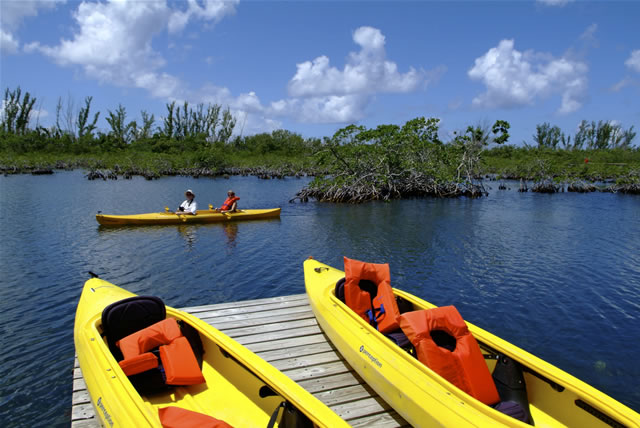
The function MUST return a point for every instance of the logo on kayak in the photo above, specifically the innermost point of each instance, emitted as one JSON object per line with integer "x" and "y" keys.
{"x": 373, "y": 359}
{"x": 107, "y": 416}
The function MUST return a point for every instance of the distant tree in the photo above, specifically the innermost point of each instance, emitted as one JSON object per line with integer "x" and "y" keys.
{"x": 68, "y": 116}
{"x": 548, "y": 136}
{"x": 168, "y": 128}
{"x": 482, "y": 137}
{"x": 84, "y": 128}
{"x": 501, "y": 127}
{"x": 226, "y": 127}
{"x": 602, "y": 135}
{"x": 17, "y": 111}
{"x": 121, "y": 131}
{"x": 147, "y": 124}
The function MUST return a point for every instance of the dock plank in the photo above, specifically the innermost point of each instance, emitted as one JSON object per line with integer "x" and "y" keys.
{"x": 283, "y": 331}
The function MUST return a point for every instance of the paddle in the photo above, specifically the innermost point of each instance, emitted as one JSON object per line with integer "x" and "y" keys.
{"x": 227, "y": 215}
{"x": 183, "y": 218}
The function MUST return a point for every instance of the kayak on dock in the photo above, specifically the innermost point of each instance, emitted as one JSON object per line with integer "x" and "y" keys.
{"x": 149, "y": 365}
{"x": 435, "y": 369}
{"x": 202, "y": 216}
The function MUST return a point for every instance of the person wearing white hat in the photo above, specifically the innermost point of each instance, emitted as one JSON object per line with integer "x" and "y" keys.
{"x": 189, "y": 206}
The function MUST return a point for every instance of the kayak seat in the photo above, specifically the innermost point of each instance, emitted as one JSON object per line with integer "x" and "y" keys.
{"x": 124, "y": 317}
{"x": 444, "y": 344}
{"x": 515, "y": 410}
{"x": 155, "y": 352}
{"x": 509, "y": 379}
{"x": 399, "y": 338}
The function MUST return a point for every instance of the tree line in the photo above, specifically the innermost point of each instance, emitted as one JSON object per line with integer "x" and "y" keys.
{"x": 387, "y": 161}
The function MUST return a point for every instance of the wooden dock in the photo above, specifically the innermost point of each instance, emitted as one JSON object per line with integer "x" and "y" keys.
{"x": 284, "y": 332}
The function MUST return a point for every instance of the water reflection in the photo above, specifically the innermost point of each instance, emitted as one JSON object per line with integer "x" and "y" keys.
{"x": 231, "y": 231}
{"x": 188, "y": 232}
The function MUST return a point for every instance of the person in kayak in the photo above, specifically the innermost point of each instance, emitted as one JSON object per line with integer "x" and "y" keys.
{"x": 230, "y": 204}
{"x": 189, "y": 206}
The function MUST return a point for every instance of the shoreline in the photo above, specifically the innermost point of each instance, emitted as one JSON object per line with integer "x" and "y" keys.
{"x": 547, "y": 185}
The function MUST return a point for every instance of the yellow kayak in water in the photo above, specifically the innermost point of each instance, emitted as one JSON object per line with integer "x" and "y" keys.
{"x": 202, "y": 216}
{"x": 225, "y": 381}
{"x": 542, "y": 393}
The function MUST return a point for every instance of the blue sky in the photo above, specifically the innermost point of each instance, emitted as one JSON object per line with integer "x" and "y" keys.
{"x": 313, "y": 67}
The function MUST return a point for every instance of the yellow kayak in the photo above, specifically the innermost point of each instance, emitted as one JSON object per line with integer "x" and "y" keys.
{"x": 426, "y": 399}
{"x": 202, "y": 216}
{"x": 237, "y": 386}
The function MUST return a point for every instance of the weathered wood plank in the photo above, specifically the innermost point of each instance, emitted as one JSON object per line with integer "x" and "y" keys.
{"x": 323, "y": 370}
{"x": 213, "y": 317}
{"x": 81, "y": 397}
{"x": 247, "y": 303}
{"x": 385, "y": 419}
{"x": 343, "y": 380}
{"x": 265, "y": 309}
{"x": 278, "y": 335}
{"x": 277, "y": 344}
{"x": 364, "y": 407}
{"x": 85, "y": 423}
{"x": 274, "y": 327}
{"x": 306, "y": 360}
{"x": 297, "y": 351}
{"x": 79, "y": 385}
{"x": 345, "y": 395}
{"x": 225, "y": 323}
{"x": 82, "y": 411}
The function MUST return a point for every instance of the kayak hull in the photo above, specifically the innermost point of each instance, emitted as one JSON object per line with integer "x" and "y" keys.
{"x": 202, "y": 216}
{"x": 235, "y": 377}
{"x": 424, "y": 398}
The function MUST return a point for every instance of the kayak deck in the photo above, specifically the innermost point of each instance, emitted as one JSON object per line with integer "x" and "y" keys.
{"x": 290, "y": 340}
{"x": 202, "y": 216}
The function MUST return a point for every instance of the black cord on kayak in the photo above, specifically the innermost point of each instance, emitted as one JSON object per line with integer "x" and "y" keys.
{"x": 93, "y": 275}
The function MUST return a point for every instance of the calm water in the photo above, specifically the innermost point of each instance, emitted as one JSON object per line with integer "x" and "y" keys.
{"x": 558, "y": 275}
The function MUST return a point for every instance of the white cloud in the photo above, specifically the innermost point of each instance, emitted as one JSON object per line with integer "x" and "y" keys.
{"x": 515, "y": 78}
{"x": 366, "y": 71}
{"x": 113, "y": 42}
{"x": 12, "y": 13}
{"x": 322, "y": 93}
{"x": 211, "y": 10}
{"x": 8, "y": 44}
{"x": 633, "y": 62}
{"x": 590, "y": 32}
{"x": 323, "y": 109}
{"x": 554, "y": 2}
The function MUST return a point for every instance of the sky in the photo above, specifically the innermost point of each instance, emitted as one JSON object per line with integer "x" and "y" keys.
{"x": 314, "y": 67}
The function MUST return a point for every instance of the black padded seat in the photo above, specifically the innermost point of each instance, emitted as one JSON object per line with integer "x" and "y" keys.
{"x": 124, "y": 317}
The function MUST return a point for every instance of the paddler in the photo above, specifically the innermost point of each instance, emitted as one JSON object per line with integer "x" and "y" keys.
{"x": 230, "y": 204}
{"x": 189, "y": 206}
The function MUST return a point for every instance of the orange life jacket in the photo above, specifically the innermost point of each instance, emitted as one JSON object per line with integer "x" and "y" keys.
{"x": 228, "y": 203}
{"x": 178, "y": 360}
{"x": 464, "y": 366}
{"x": 381, "y": 311}
{"x": 177, "y": 417}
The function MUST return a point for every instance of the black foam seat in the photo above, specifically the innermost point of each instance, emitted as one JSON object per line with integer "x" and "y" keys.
{"x": 127, "y": 316}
